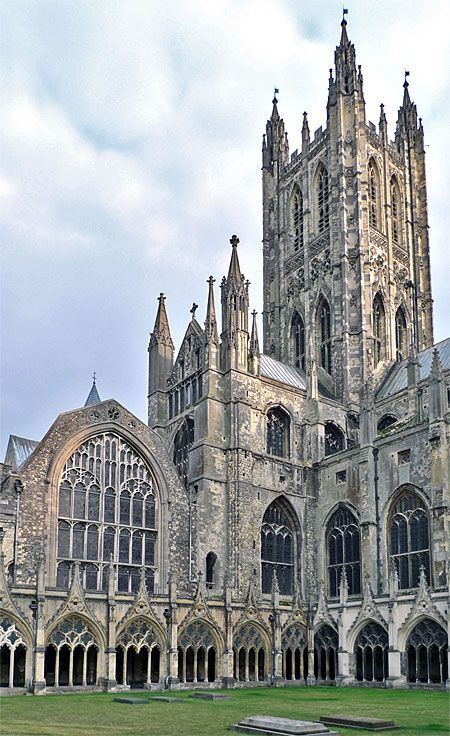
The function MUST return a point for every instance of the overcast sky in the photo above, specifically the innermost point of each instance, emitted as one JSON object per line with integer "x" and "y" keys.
{"x": 131, "y": 151}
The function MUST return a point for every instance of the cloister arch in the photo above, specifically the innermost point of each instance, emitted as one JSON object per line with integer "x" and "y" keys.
{"x": 199, "y": 646}
{"x": 73, "y": 653}
{"x": 140, "y": 645}
{"x": 15, "y": 651}
{"x": 294, "y": 646}
{"x": 251, "y": 652}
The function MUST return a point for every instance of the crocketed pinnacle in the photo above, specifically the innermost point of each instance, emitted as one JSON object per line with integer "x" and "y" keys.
{"x": 254, "y": 342}
{"x": 161, "y": 330}
{"x": 211, "y": 332}
{"x": 234, "y": 272}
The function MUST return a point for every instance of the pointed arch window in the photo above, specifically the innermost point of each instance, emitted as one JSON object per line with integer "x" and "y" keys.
{"x": 334, "y": 439}
{"x": 277, "y": 550}
{"x": 297, "y": 218}
{"x": 409, "y": 539}
{"x": 298, "y": 341}
{"x": 344, "y": 552}
{"x": 395, "y": 212}
{"x": 374, "y": 194}
{"x": 379, "y": 329}
{"x": 106, "y": 499}
{"x": 323, "y": 207}
{"x": 324, "y": 320}
{"x": 278, "y": 428}
{"x": 400, "y": 334}
{"x": 184, "y": 439}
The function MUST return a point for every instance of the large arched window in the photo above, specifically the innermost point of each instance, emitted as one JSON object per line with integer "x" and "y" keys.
{"x": 106, "y": 509}
{"x": 334, "y": 439}
{"x": 324, "y": 327}
{"x": 278, "y": 426}
{"x": 297, "y": 218}
{"x": 374, "y": 194}
{"x": 298, "y": 340}
{"x": 343, "y": 546}
{"x": 395, "y": 212}
{"x": 277, "y": 550}
{"x": 379, "y": 329}
{"x": 183, "y": 441}
{"x": 323, "y": 207}
{"x": 409, "y": 539}
{"x": 400, "y": 334}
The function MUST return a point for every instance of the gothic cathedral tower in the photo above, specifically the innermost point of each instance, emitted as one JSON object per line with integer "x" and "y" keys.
{"x": 345, "y": 239}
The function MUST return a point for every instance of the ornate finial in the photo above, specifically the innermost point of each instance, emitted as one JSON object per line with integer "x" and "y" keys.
{"x": 211, "y": 280}
{"x": 344, "y": 13}
{"x": 162, "y": 297}
{"x": 405, "y": 83}
{"x": 193, "y": 309}
{"x": 254, "y": 313}
{"x": 276, "y": 92}
{"x": 94, "y": 376}
{"x": 234, "y": 240}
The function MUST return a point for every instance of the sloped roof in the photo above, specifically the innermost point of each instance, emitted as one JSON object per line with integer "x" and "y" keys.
{"x": 397, "y": 378}
{"x": 93, "y": 397}
{"x": 18, "y": 450}
{"x": 277, "y": 371}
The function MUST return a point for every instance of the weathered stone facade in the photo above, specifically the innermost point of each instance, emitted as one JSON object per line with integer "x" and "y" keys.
{"x": 283, "y": 518}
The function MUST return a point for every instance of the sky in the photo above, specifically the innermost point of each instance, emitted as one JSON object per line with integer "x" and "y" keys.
{"x": 131, "y": 152}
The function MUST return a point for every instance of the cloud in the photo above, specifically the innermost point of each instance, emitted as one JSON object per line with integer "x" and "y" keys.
{"x": 131, "y": 139}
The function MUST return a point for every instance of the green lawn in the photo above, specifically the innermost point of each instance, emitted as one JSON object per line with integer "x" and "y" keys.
{"x": 419, "y": 713}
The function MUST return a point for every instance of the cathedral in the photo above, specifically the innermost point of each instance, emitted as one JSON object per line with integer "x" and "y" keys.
{"x": 283, "y": 516}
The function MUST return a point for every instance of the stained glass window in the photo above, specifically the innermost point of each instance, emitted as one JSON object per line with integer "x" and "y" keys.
{"x": 343, "y": 546}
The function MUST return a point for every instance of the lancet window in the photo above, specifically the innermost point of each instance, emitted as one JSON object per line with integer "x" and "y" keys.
{"x": 297, "y": 218}
{"x": 323, "y": 207}
{"x": 107, "y": 508}
{"x": 249, "y": 654}
{"x": 395, "y": 212}
{"x": 426, "y": 649}
{"x": 197, "y": 654}
{"x": 298, "y": 341}
{"x": 344, "y": 553}
{"x": 409, "y": 539}
{"x": 71, "y": 654}
{"x": 277, "y": 550}
{"x": 324, "y": 325}
{"x": 278, "y": 428}
{"x": 374, "y": 194}
{"x": 13, "y": 652}
{"x": 183, "y": 442}
{"x": 379, "y": 329}
{"x": 371, "y": 652}
{"x": 400, "y": 334}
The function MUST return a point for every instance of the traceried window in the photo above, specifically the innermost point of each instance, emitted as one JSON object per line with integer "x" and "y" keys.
{"x": 277, "y": 550}
{"x": 184, "y": 439}
{"x": 426, "y": 650}
{"x": 107, "y": 508}
{"x": 298, "y": 340}
{"x": 371, "y": 653}
{"x": 71, "y": 654}
{"x": 400, "y": 334}
{"x": 334, "y": 439}
{"x": 278, "y": 426}
{"x": 297, "y": 219}
{"x": 374, "y": 194}
{"x": 324, "y": 320}
{"x": 13, "y": 652}
{"x": 343, "y": 546}
{"x": 395, "y": 212}
{"x": 323, "y": 207}
{"x": 409, "y": 539}
{"x": 379, "y": 329}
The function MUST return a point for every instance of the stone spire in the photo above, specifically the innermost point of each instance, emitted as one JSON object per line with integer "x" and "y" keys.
{"x": 160, "y": 364}
{"x": 305, "y": 133}
{"x": 275, "y": 142}
{"x": 93, "y": 397}
{"x": 211, "y": 334}
{"x": 382, "y": 125}
{"x": 254, "y": 353}
{"x": 234, "y": 337}
{"x": 345, "y": 63}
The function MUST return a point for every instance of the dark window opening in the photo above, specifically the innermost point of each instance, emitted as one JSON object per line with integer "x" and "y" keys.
{"x": 344, "y": 553}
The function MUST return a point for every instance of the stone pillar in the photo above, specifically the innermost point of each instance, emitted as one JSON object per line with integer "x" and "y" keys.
{"x": 395, "y": 677}
{"x": 228, "y": 654}
{"x": 39, "y": 633}
{"x": 274, "y": 618}
{"x": 172, "y": 680}
{"x": 310, "y": 679}
{"x": 343, "y": 677}
{"x": 109, "y": 680}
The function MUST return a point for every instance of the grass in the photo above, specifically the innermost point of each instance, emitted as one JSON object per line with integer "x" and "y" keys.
{"x": 419, "y": 713}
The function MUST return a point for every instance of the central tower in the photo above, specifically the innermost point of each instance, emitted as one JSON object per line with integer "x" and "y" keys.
{"x": 345, "y": 239}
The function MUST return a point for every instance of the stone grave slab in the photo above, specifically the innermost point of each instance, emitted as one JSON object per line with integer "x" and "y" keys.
{"x": 132, "y": 701}
{"x": 165, "y": 699}
{"x": 370, "y": 724}
{"x": 271, "y": 726}
{"x": 209, "y": 696}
